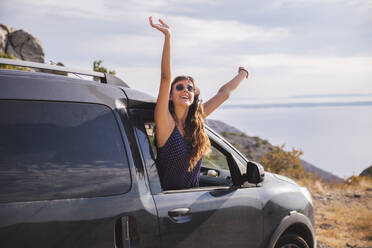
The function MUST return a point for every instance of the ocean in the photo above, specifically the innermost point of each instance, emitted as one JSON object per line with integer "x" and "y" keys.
{"x": 334, "y": 131}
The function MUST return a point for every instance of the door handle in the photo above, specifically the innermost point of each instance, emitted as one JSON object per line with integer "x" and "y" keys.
{"x": 180, "y": 215}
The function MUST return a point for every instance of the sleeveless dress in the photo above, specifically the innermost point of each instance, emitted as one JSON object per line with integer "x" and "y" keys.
{"x": 173, "y": 163}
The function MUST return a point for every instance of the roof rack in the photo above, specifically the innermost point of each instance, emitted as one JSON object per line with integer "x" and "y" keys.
{"x": 103, "y": 77}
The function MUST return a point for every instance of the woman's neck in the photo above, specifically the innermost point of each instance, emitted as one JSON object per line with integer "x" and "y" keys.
{"x": 180, "y": 115}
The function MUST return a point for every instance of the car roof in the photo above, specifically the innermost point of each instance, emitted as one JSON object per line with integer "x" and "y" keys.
{"x": 135, "y": 97}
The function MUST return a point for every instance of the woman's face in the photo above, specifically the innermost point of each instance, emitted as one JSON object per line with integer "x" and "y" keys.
{"x": 183, "y": 93}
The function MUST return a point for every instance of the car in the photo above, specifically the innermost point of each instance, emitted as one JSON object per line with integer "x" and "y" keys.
{"x": 78, "y": 169}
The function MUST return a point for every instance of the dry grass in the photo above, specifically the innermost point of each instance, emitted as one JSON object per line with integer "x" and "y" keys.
{"x": 338, "y": 224}
{"x": 343, "y": 212}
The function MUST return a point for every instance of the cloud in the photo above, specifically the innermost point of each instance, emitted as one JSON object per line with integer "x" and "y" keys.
{"x": 195, "y": 30}
{"x": 360, "y": 6}
{"x": 281, "y": 73}
{"x": 271, "y": 75}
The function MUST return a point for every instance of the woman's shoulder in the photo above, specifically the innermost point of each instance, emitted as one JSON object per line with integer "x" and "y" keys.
{"x": 164, "y": 129}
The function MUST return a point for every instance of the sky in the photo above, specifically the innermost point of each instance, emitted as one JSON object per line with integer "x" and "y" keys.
{"x": 295, "y": 51}
{"x": 290, "y": 47}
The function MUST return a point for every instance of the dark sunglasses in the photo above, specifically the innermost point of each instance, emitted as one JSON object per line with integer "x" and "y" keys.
{"x": 180, "y": 87}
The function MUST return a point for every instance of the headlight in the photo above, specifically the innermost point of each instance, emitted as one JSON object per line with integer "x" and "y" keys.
{"x": 306, "y": 194}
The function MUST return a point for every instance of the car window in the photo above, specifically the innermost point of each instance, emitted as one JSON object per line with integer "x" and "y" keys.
{"x": 215, "y": 160}
{"x": 55, "y": 150}
{"x": 214, "y": 170}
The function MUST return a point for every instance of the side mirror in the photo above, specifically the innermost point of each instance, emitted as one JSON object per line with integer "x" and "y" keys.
{"x": 255, "y": 172}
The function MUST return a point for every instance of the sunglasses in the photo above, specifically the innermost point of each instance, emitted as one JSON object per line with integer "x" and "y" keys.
{"x": 180, "y": 87}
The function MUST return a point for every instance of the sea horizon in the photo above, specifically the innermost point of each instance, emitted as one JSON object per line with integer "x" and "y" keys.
{"x": 334, "y": 130}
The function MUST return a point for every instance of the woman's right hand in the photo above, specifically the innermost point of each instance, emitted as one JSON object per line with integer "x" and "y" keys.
{"x": 162, "y": 27}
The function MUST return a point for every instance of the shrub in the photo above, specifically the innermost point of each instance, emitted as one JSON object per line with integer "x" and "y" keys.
{"x": 225, "y": 134}
{"x": 10, "y": 67}
{"x": 282, "y": 162}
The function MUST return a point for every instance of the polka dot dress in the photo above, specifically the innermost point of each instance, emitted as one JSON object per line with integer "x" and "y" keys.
{"x": 173, "y": 164}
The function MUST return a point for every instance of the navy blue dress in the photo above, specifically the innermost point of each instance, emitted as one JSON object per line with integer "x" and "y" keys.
{"x": 173, "y": 163}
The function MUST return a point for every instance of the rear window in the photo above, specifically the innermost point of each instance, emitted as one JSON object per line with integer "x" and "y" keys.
{"x": 54, "y": 150}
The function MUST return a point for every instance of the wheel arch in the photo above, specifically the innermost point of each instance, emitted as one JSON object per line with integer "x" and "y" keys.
{"x": 296, "y": 223}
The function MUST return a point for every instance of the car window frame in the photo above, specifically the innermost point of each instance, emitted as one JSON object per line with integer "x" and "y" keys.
{"x": 142, "y": 116}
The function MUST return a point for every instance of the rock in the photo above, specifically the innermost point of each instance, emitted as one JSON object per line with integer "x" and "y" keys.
{"x": 20, "y": 44}
{"x": 357, "y": 195}
{"x": 26, "y": 46}
{"x": 4, "y": 31}
{"x": 320, "y": 245}
{"x": 349, "y": 245}
{"x": 326, "y": 226}
{"x": 367, "y": 172}
{"x": 10, "y": 50}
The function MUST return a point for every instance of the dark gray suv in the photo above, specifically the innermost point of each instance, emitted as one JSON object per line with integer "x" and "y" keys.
{"x": 77, "y": 169}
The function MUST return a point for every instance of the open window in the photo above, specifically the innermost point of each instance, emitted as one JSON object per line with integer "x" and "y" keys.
{"x": 220, "y": 168}
{"x": 215, "y": 167}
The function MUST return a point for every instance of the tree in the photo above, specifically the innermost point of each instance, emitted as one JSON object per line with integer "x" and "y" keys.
{"x": 98, "y": 67}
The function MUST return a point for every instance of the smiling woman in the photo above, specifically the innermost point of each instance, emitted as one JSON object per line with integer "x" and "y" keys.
{"x": 179, "y": 116}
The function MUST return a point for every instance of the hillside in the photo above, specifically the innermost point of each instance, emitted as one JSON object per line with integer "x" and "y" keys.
{"x": 254, "y": 147}
{"x": 367, "y": 172}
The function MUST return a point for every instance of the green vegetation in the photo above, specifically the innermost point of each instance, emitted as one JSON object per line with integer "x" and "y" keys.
{"x": 225, "y": 134}
{"x": 98, "y": 67}
{"x": 243, "y": 135}
{"x": 10, "y": 67}
{"x": 250, "y": 153}
{"x": 258, "y": 141}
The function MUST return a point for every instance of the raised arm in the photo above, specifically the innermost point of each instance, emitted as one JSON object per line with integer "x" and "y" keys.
{"x": 224, "y": 92}
{"x": 163, "y": 118}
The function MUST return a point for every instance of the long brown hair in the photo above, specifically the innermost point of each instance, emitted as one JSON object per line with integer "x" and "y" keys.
{"x": 195, "y": 134}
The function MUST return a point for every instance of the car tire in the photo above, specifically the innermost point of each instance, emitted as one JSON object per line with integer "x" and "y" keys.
{"x": 291, "y": 240}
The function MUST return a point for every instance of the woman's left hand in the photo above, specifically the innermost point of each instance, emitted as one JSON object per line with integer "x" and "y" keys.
{"x": 243, "y": 70}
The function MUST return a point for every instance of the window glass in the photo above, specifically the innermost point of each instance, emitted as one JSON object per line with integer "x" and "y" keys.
{"x": 215, "y": 169}
{"x": 53, "y": 150}
{"x": 215, "y": 160}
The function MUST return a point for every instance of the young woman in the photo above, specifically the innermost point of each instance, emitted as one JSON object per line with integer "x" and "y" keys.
{"x": 179, "y": 117}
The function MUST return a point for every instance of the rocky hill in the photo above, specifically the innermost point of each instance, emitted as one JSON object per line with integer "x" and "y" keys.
{"x": 254, "y": 147}
{"x": 367, "y": 172}
{"x": 20, "y": 44}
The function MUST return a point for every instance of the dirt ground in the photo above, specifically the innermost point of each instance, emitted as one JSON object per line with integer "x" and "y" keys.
{"x": 343, "y": 215}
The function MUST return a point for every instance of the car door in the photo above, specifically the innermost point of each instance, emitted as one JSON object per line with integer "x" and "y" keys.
{"x": 68, "y": 174}
{"x": 221, "y": 215}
